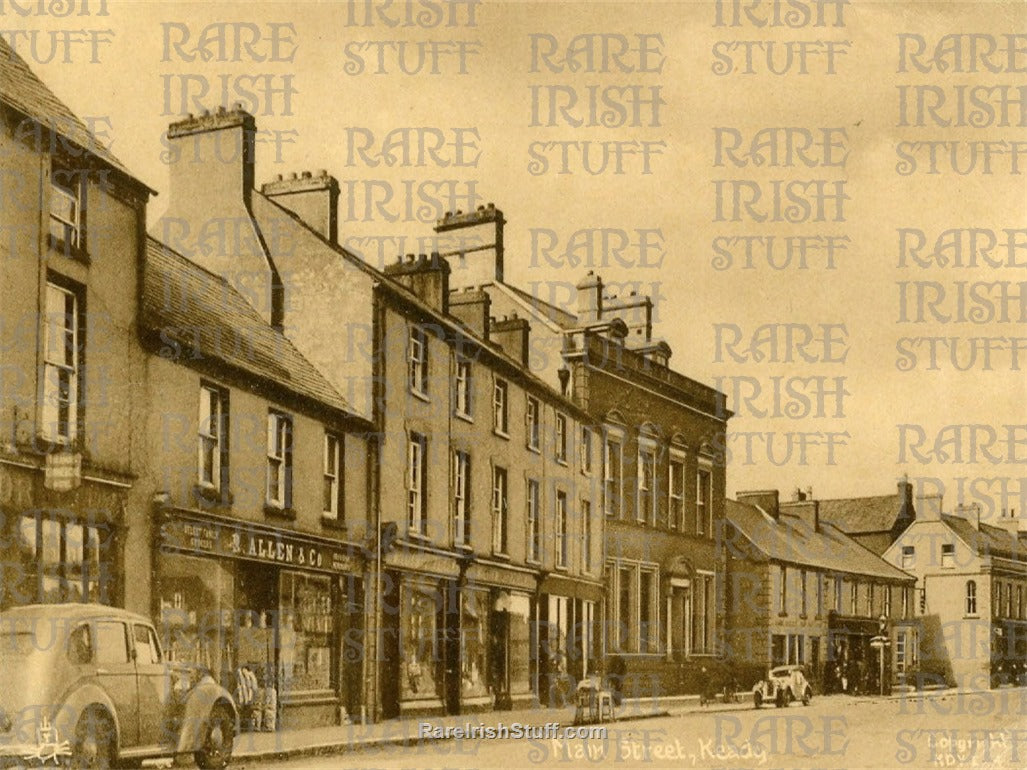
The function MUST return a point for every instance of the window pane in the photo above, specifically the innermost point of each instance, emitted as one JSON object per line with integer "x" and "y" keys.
{"x": 111, "y": 645}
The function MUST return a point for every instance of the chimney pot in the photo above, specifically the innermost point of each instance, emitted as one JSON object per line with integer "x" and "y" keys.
{"x": 292, "y": 175}
{"x": 206, "y": 113}
{"x": 492, "y": 205}
{"x": 306, "y": 175}
{"x": 410, "y": 259}
{"x": 237, "y": 107}
{"x": 322, "y": 172}
{"x": 481, "y": 208}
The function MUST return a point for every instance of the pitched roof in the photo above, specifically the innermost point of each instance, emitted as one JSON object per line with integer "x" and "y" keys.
{"x": 862, "y": 514}
{"x": 989, "y": 539}
{"x": 205, "y": 317}
{"x": 22, "y": 89}
{"x": 792, "y": 539}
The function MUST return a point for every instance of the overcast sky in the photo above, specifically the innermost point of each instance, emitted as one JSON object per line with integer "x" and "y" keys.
{"x": 491, "y": 85}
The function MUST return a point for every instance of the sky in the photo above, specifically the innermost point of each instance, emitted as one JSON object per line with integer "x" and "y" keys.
{"x": 693, "y": 122}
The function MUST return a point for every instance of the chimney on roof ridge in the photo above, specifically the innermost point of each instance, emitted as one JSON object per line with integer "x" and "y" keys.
{"x": 314, "y": 199}
{"x": 512, "y": 334}
{"x": 474, "y": 243}
{"x": 929, "y": 507}
{"x": 767, "y": 499}
{"x": 427, "y": 277}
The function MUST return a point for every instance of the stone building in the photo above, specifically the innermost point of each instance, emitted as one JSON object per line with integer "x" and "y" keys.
{"x": 801, "y": 591}
{"x": 972, "y": 577}
{"x": 71, "y": 396}
{"x": 259, "y": 474}
{"x": 485, "y": 553}
{"x": 658, "y": 449}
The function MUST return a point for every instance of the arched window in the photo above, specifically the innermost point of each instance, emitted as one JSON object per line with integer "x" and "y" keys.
{"x": 971, "y": 597}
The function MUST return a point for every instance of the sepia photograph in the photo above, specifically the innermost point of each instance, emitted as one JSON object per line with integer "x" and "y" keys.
{"x": 508, "y": 384}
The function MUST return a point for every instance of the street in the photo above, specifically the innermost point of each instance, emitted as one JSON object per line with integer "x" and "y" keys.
{"x": 972, "y": 730}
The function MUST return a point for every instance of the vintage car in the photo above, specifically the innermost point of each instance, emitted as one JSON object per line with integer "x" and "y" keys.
{"x": 87, "y": 686}
{"x": 783, "y": 685}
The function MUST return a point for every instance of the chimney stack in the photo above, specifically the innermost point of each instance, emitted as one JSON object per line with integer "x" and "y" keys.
{"x": 512, "y": 335}
{"x": 211, "y": 156}
{"x": 590, "y": 298}
{"x": 906, "y": 498}
{"x": 805, "y": 508}
{"x": 767, "y": 499}
{"x": 314, "y": 198}
{"x": 471, "y": 308}
{"x": 928, "y": 507}
{"x": 426, "y": 276}
{"x": 473, "y": 241}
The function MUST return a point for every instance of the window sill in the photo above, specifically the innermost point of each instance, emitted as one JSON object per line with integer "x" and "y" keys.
{"x": 332, "y": 521}
{"x": 560, "y": 461}
{"x": 67, "y": 250}
{"x": 419, "y": 395}
{"x": 416, "y": 534}
{"x": 464, "y": 417}
{"x": 212, "y": 497}
{"x": 561, "y": 568}
{"x": 533, "y": 449}
{"x": 463, "y": 547}
{"x": 277, "y": 511}
{"x": 500, "y": 555}
{"x": 782, "y": 614}
{"x": 501, "y": 433}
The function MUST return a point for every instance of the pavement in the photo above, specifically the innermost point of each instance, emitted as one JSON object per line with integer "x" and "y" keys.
{"x": 253, "y": 747}
{"x": 312, "y": 741}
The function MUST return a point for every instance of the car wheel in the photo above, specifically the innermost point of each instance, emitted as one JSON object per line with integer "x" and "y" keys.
{"x": 789, "y": 697}
{"x": 93, "y": 747}
{"x": 807, "y": 696}
{"x": 218, "y": 737}
{"x": 757, "y": 699}
{"x": 779, "y": 699}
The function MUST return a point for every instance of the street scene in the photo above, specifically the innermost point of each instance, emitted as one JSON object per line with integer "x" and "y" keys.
{"x": 423, "y": 383}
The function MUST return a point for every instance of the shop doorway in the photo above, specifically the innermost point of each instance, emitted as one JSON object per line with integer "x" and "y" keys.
{"x": 448, "y": 624}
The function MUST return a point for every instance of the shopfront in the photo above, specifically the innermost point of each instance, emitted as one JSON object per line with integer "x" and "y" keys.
{"x": 456, "y": 644}
{"x": 60, "y": 544}
{"x": 566, "y": 629}
{"x": 286, "y": 607}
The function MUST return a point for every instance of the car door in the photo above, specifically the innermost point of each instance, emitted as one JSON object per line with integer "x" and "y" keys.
{"x": 116, "y": 674}
{"x": 154, "y": 686}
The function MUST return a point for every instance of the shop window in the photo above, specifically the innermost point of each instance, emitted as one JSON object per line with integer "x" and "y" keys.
{"x": 63, "y": 561}
{"x": 332, "y": 488}
{"x": 612, "y": 474}
{"x": 213, "y": 437}
{"x": 900, "y": 652}
{"x": 67, "y": 210}
{"x": 676, "y": 494}
{"x": 305, "y": 633}
{"x": 561, "y": 438}
{"x": 501, "y": 407}
{"x": 532, "y": 427}
{"x": 462, "y": 391}
{"x": 417, "y": 361}
{"x": 279, "y": 460}
{"x": 703, "y": 502}
{"x": 416, "y": 482}
{"x": 419, "y": 640}
{"x": 474, "y": 629}
{"x": 971, "y": 597}
{"x": 500, "y": 491}
{"x": 561, "y": 529}
{"x": 63, "y": 360}
{"x": 461, "y": 498}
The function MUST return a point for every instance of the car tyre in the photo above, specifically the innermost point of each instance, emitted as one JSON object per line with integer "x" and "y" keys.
{"x": 789, "y": 697}
{"x": 93, "y": 747}
{"x": 779, "y": 699}
{"x": 757, "y": 699}
{"x": 807, "y": 696}
{"x": 218, "y": 737}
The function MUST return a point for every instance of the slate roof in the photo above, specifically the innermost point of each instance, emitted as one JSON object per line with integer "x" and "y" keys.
{"x": 205, "y": 317}
{"x": 21, "y": 88}
{"x": 792, "y": 539}
{"x": 862, "y": 514}
{"x": 988, "y": 540}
